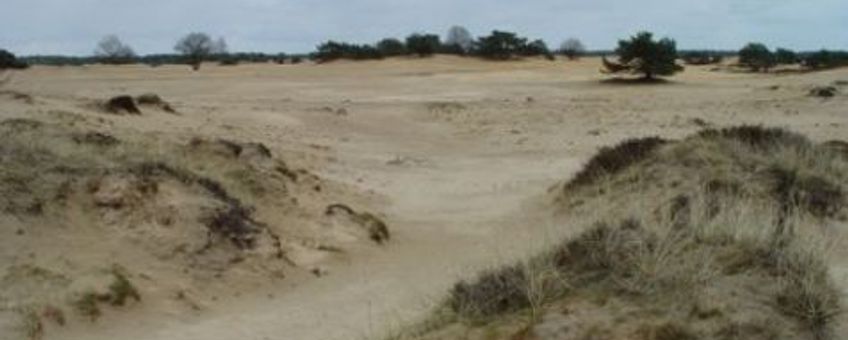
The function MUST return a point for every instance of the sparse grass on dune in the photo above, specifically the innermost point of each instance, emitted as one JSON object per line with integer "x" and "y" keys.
{"x": 717, "y": 236}
{"x": 190, "y": 211}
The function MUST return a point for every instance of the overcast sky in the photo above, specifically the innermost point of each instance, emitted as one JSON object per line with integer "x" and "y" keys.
{"x": 152, "y": 26}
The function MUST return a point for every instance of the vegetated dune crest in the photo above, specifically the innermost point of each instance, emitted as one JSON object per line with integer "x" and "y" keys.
{"x": 96, "y": 217}
{"x": 721, "y": 235}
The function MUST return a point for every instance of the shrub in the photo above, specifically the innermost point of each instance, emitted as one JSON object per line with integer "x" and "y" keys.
{"x": 825, "y": 59}
{"x": 391, "y": 47}
{"x": 641, "y": 54}
{"x": 492, "y": 293}
{"x": 758, "y": 137}
{"x": 423, "y": 45}
{"x": 757, "y": 57}
{"x": 333, "y": 50}
{"x": 87, "y": 306}
{"x": 701, "y": 58}
{"x": 121, "y": 289}
{"x": 500, "y": 45}
{"x": 10, "y": 61}
{"x": 612, "y": 160}
{"x": 785, "y": 57}
{"x": 536, "y": 48}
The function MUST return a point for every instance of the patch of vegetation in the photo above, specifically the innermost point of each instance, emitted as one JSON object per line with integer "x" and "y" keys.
{"x": 611, "y": 160}
{"x": 500, "y": 45}
{"x": 758, "y": 137}
{"x": 757, "y": 57}
{"x": 87, "y": 305}
{"x": 423, "y": 45}
{"x": 95, "y": 138}
{"x": 10, "y": 61}
{"x": 493, "y": 293}
{"x": 121, "y": 289}
{"x": 122, "y": 104}
{"x": 641, "y": 54}
{"x": 701, "y": 57}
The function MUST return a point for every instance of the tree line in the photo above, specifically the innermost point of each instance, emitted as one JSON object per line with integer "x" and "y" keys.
{"x": 639, "y": 54}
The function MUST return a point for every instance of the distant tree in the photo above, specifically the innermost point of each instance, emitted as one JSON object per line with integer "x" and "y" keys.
{"x": 825, "y": 59}
{"x": 333, "y": 50}
{"x": 391, "y": 47}
{"x": 757, "y": 57}
{"x": 643, "y": 55}
{"x": 500, "y": 45}
{"x": 572, "y": 48}
{"x": 423, "y": 44}
{"x": 701, "y": 57}
{"x": 111, "y": 50}
{"x": 10, "y": 61}
{"x": 536, "y": 48}
{"x": 785, "y": 56}
{"x": 461, "y": 38}
{"x": 195, "y": 47}
{"x": 219, "y": 47}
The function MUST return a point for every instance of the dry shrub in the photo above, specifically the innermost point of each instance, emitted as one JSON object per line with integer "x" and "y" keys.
{"x": 153, "y": 99}
{"x": 816, "y": 195}
{"x": 668, "y": 330}
{"x": 824, "y": 92}
{"x": 377, "y": 230}
{"x": 612, "y": 160}
{"x": 493, "y": 293}
{"x": 95, "y": 138}
{"x": 758, "y": 137}
{"x": 122, "y": 104}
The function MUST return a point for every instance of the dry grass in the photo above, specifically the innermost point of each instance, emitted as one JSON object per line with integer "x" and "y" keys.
{"x": 737, "y": 202}
{"x": 612, "y": 160}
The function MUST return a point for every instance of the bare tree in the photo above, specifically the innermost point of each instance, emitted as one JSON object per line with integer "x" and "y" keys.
{"x": 572, "y": 48}
{"x": 196, "y": 47}
{"x": 220, "y": 47}
{"x": 112, "y": 50}
{"x": 459, "y": 36}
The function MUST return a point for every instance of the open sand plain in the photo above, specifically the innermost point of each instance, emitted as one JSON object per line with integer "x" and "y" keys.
{"x": 456, "y": 155}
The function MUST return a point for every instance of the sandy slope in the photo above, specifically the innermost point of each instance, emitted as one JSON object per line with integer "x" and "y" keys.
{"x": 463, "y": 151}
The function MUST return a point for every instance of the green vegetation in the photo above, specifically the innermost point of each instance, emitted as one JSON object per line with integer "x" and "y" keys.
{"x": 757, "y": 57}
{"x": 10, "y": 61}
{"x": 423, "y": 45}
{"x": 641, "y": 54}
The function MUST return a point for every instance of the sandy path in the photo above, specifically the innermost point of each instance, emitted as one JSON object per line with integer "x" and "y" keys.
{"x": 462, "y": 205}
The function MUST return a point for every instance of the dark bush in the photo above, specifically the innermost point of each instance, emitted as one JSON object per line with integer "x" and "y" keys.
{"x": 757, "y": 57}
{"x": 500, "y": 46}
{"x": 758, "y": 137}
{"x": 642, "y": 55}
{"x": 10, "y": 61}
{"x": 612, "y": 160}
{"x": 825, "y": 59}
{"x": 391, "y": 47}
{"x": 785, "y": 57}
{"x": 332, "y": 50}
{"x": 492, "y": 293}
{"x": 122, "y": 104}
{"x": 701, "y": 58}
{"x": 814, "y": 194}
{"x": 423, "y": 45}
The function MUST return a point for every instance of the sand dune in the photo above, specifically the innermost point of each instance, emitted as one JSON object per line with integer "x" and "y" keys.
{"x": 456, "y": 156}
